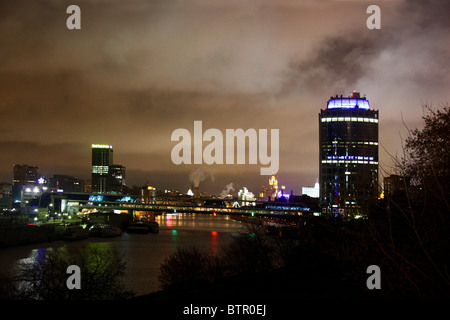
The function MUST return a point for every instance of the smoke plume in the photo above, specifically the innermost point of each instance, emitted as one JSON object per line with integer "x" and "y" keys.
{"x": 197, "y": 175}
{"x": 228, "y": 189}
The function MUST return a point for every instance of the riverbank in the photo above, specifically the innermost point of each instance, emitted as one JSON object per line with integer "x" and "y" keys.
{"x": 29, "y": 234}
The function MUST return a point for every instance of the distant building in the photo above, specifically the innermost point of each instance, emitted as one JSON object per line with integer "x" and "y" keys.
{"x": 116, "y": 179}
{"x": 272, "y": 191}
{"x": 22, "y": 195}
{"x": 246, "y": 197}
{"x": 5, "y": 190}
{"x": 395, "y": 183}
{"x": 312, "y": 192}
{"x": 24, "y": 175}
{"x": 66, "y": 183}
{"x": 148, "y": 194}
{"x": 102, "y": 158}
{"x": 107, "y": 177}
{"x": 26, "y": 185}
{"x": 5, "y": 195}
{"x": 348, "y": 150}
{"x": 88, "y": 186}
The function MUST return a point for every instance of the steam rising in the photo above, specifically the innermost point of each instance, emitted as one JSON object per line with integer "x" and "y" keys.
{"x": 197, "y": 175}
{"x": 228, "y": 189}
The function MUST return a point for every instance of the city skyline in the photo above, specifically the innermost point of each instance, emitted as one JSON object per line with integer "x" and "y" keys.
{"x": 135, "y": 72}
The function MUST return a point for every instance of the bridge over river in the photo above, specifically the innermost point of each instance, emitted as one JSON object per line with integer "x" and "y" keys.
{"x": 72, "y": 203}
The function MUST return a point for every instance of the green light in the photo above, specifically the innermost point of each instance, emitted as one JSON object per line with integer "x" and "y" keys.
{"x": 253, "y": 214}
{"x": 174, "y": 232}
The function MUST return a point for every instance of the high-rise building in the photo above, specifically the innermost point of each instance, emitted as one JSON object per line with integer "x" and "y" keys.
{"x": 348, "y": 148}
{"x": 27, "y": 184}
{"x": 116, "y": 178}
{"x": 102, "y": 158}
{"x": 107, "y": 177}
{"x": 25, "y": 175}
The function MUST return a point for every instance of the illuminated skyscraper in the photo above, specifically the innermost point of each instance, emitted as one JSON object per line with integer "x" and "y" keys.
{"x": 348, "y": 143}
{"x": 102, "y": 158}
{"x": 107, "y": 177}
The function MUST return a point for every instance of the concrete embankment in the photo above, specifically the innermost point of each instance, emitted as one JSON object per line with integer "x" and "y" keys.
{"x": 26, "y": 234}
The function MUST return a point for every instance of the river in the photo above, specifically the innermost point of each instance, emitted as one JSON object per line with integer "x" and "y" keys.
{"x": 145, "y": 252}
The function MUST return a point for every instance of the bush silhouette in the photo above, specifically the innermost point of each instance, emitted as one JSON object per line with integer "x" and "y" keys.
{"x": 44, "y": 276}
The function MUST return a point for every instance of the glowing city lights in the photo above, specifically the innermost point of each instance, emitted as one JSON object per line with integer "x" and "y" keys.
{"x": 102, "y": 146}
{"x": 348, "y": 103}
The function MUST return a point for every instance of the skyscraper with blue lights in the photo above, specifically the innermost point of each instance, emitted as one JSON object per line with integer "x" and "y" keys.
{"x": 348, "y": 151}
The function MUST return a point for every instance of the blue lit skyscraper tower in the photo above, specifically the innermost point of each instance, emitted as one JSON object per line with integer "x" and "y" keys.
{"x": 348, "y": 150}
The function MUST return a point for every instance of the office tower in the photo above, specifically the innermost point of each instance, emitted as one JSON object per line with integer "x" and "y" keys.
{"x": 24, "y": 175}
{"x": 348, "y": 151}
{"x": 102, "y": 158}
{"x": 116, "y": 179}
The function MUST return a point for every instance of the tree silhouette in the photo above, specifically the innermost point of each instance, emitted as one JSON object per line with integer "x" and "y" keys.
{"x": 411, "y": 227}
{"x": 44, "y": 276}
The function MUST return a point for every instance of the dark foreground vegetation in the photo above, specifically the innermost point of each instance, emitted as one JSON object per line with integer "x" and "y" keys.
{"x": 329, "y": 261}
{"x": 44, "y": 277}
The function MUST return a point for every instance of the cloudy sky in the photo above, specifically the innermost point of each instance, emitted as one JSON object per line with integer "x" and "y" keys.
{"x": 139, "y": 69}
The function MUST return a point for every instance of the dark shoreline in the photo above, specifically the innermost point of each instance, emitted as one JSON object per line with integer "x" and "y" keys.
{"x": 18, "y": 235}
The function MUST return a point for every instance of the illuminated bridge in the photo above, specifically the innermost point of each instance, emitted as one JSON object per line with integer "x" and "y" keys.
{"x": 73, "y": 203}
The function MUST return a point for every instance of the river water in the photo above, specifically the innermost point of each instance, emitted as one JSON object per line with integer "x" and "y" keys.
{"x": 145, "y": 252}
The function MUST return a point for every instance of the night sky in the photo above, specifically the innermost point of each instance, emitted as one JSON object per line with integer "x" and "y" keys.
{"x": 137, "y": 70}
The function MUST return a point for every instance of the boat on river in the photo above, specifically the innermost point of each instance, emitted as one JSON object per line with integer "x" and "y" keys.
{"x": 143, "y": 227}
{"x": 75, "y": 232}
{"x": 104, "y": 231}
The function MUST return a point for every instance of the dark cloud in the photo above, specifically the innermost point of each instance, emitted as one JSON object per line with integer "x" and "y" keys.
{"x": 425, "y": 13}
{"x": 63, "y": 158}
{"x": 338, "y": 63}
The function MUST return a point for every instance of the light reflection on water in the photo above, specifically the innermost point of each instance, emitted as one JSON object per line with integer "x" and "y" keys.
{"x": 145, "y": 252}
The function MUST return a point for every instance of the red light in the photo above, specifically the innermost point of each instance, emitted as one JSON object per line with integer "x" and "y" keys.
{"x": 214, "y": 233}
{"x": 214, "y": 214}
